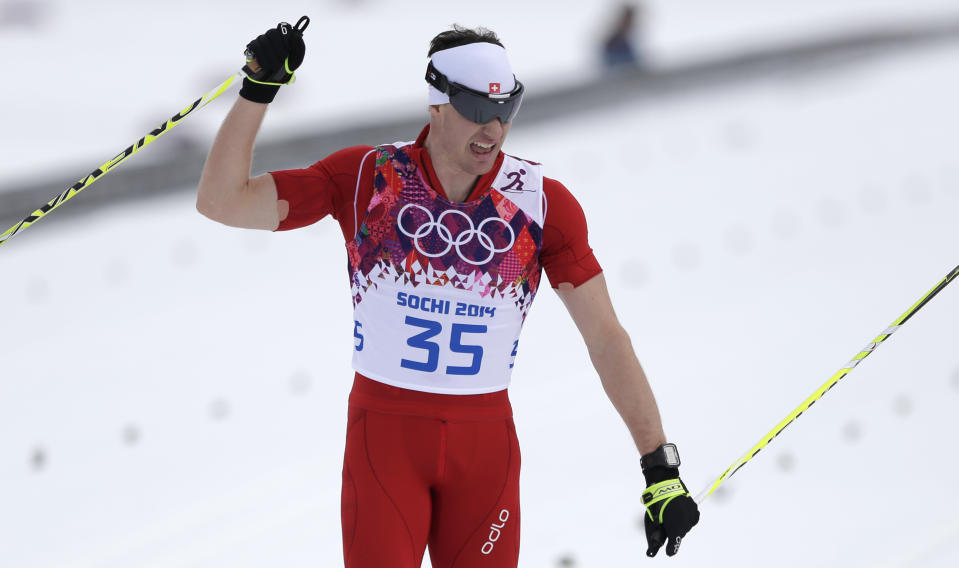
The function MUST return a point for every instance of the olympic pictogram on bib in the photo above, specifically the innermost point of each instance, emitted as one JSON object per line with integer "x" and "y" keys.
{"x": 467, "y": 234}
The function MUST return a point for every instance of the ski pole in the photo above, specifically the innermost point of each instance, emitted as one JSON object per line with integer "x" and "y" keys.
{"x": 87, "y": 180}
{"x": 795, "y": 414}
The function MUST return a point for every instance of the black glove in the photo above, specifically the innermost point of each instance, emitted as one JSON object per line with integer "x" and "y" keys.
{"x": 278, "y": 53}
{"x": 670, "y": 511}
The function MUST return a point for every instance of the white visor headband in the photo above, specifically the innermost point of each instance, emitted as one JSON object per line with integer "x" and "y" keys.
{"x": 481, "y": 66}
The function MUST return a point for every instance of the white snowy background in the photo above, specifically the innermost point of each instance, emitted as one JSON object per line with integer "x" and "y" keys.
{"x": 173, "y": 392}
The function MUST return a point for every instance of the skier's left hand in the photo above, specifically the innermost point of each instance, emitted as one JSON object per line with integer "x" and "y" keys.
{"x": 670, "y": 511}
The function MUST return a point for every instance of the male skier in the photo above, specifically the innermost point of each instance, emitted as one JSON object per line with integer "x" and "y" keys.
{"x": 446, "y": 238}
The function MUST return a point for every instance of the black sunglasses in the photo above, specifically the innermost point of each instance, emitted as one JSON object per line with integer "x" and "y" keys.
{"x": 474, "y": 105}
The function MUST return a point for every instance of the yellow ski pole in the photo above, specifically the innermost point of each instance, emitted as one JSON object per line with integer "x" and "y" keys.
{"x": 821, "y": 391}
{"x": 87, "y": 180}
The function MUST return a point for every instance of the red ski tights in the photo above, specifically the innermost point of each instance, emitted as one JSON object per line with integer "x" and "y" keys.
{"x": 434, "y": 470}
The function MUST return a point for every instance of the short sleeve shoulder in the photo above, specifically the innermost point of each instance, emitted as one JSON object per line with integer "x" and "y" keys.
{"x": 566, "y": 255}
{"x": 327, "y": 187}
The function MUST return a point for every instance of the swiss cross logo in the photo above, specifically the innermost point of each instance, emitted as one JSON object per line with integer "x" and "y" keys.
{"x": 494, "y": 88}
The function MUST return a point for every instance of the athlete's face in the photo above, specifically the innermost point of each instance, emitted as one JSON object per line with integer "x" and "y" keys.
{"x": 463, "y": 144}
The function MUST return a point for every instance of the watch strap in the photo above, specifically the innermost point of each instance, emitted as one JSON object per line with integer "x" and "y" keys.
{"x": 664, "y": 456}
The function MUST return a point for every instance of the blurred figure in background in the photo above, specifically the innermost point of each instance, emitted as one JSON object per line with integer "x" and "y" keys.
{"x": 618, "y": 49}
{"x": 23, "y": 13}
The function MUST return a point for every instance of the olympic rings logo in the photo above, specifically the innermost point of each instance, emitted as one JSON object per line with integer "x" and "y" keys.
{"x": 446, "y": 235}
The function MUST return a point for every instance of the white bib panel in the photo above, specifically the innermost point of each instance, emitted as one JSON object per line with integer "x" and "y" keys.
{"x": 441, "y": 289}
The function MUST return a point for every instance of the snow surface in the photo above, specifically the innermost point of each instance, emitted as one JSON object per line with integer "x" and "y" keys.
{"x": 172, "y": 392}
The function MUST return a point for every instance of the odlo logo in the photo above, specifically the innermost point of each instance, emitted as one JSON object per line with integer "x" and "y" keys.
{"x": 495, "y": 530}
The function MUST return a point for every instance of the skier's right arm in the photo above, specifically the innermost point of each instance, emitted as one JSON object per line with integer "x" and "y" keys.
{"x": 226, "y": 192}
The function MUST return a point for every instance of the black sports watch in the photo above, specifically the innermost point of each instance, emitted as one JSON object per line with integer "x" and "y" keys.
{"x": 664, "y": 456}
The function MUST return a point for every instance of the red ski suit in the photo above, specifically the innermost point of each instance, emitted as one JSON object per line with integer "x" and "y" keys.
{"x": 424, "y": 469}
